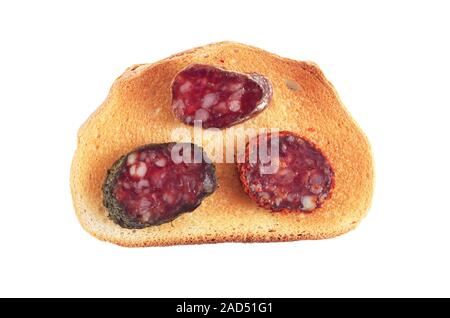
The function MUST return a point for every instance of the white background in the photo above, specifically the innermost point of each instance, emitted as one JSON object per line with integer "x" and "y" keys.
{"x": 388, "y": 60}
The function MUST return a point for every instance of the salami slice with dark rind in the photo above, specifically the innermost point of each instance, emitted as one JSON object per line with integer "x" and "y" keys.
{"x": 218, "y": 98}
{"x": 303, "y": 181}
{"x": 146, "y": 187}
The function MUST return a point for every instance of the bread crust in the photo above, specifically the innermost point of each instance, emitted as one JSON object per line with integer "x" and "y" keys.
{"x": 137, "y": 111}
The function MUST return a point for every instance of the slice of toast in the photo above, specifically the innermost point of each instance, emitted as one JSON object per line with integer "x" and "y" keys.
{"x": 138, "y": 111}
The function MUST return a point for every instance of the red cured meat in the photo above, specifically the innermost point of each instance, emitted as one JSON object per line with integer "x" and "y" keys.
{"x": 303, "y": 181}
{"x": 150, "y": 188}
{"x": 216, "y": 97}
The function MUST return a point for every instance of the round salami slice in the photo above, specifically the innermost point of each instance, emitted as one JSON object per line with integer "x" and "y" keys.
{"x": 300, "y": 178}
{"x": 216, "y": 97}
{"x": 156, "y": 183}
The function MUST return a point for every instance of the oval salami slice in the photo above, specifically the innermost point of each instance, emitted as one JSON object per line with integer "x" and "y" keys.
{"x": 302, "y": 181}
{"x": 149, "y": 187}
{"x": 216, "y": 97}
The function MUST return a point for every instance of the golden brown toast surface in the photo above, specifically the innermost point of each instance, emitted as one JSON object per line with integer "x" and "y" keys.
{"x": 138, "y": 111}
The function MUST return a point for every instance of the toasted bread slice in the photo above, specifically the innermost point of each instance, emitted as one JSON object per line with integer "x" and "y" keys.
{"x": 138, "y": 111}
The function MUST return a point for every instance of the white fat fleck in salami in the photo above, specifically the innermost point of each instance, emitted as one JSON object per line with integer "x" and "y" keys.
{"x": 161, "y": 162}
{"x": 141, "y": 170}
{"x": 303, "y": 181}
{"x": 235, "y": 105}
{"x": 138, "y": 170}
{"x": 308, "y": 203}
{"x": 210, "y": 99}
{"x": 201, "y": 115}
{"x": 186, "y": 87}
{"x": 217, "y": 97}
{"x": 131, "y": 159}
{"x": 133, "y": 170}
{"x": 155, "y": 189}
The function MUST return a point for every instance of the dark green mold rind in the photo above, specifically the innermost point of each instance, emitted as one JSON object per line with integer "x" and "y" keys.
{"x": 117, "y": 212}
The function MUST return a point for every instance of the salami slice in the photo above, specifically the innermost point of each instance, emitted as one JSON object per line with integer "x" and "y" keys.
{"x": 148, "y": 187}
{"x": 216, "y": 97}
{"x": 302, "y": 182}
